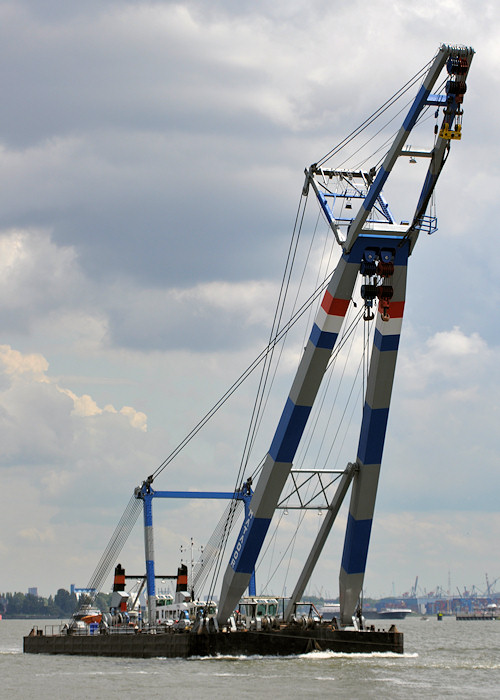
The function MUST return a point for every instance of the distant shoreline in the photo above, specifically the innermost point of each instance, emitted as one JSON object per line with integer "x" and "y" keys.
{"x": 29, "y": 617}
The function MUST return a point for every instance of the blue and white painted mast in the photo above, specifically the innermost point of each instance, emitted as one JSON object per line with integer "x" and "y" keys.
{"x": 146, "y": 493}
{"x": 387, "y": 334}
{"x": 372, "y": 437}
{"x": 278, "y": 462}
{"x": 385, "y": 246}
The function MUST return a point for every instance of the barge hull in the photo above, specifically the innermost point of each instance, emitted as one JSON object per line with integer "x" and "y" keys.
{"x": 282, "y": 642}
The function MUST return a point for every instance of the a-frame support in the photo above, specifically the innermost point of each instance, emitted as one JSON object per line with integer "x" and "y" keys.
{"x": 327, "y": 524}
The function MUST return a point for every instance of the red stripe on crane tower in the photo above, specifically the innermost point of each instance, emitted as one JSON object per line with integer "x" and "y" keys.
{"x": 334, "y": 306}
{"x": 396, "y": 309}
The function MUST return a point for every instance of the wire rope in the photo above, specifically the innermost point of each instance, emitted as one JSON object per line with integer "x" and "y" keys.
{"x": 348, "y": 332}
{"x": 273, "y": 537}
{"x": 115, "y": 545}
{"x": 259, "y": 400}
{"x": 375, "y": 115}
{"x": 248, "y": 371}
{"x": 278, "y": 333}
{"x": 202, "y": 570}
{"x": 254, "y": 421}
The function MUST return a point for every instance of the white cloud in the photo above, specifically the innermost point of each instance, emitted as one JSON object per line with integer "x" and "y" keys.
{"x": 54, "y": 416}
{"x": 36, "y": 277}
{"x": 15, "y": 362}
{"x": 443, "y": 416}
{"x": 451, "y": 358}
{"x": 455, "y": 344}
{"x": 68, "y": 456}
{"x": 430, "y": 545}
{"x": 33, "y": 534}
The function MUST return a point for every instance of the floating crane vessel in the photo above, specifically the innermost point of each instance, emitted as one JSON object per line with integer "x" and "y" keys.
{"x": 374, "y": 250}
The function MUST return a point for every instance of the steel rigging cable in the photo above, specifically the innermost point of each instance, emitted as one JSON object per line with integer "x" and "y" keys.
{"x": 375, "y": 115}
{"x": 115, "y": 545}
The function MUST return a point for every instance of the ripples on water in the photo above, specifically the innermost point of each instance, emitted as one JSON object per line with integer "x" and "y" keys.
{"x": 447, "y": 659}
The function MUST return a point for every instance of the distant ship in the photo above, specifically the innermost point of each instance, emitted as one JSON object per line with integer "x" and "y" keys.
{"x": 387, "y": 614}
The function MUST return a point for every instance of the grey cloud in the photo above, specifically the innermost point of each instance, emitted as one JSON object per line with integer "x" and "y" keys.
{"x": 38, "y": 277}
{"x": 156, "y": 159}
{"x": 138, "y": 145}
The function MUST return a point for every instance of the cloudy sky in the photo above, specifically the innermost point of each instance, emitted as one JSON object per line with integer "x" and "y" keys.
{"x": 152, "y": 158}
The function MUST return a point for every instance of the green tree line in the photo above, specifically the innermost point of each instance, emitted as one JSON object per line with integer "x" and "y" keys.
{"x": 62, "y": 605}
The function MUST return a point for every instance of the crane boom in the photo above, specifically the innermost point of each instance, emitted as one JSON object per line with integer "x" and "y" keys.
{"x": 379, "y": 251}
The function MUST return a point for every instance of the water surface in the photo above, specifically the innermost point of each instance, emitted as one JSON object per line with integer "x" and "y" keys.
{"x": 447, "y": 659}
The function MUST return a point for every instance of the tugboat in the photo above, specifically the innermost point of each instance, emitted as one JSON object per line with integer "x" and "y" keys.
{"x": 371, "y": 244}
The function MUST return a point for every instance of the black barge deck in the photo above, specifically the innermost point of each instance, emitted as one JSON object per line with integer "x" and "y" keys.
{"x": 285, "y": 641}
